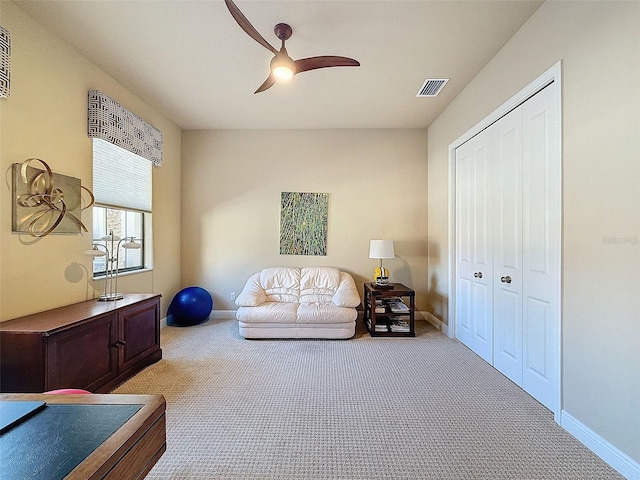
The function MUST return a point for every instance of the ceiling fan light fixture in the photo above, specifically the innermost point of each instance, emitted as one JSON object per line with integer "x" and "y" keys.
{"x": 282, "y": 72}
{"x": 282, "y": 66}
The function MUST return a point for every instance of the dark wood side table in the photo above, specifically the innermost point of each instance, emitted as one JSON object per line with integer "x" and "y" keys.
{"x": 66, "y": 440}
{"x": 390, "y": 320}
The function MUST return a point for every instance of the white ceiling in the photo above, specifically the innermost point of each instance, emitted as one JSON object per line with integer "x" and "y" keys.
{"x": 191, "y": 61}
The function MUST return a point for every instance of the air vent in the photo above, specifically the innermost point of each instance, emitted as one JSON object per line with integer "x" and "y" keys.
{"x": 432, "y": 87}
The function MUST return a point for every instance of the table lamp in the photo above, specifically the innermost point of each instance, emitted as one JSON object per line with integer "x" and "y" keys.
{"x": 381, "y": 249}
{"x": 112, "y": 262}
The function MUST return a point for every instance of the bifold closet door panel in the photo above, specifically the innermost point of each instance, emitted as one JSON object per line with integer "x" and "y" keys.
{"x": 474, "y": 256}
{"x": 508, "y": 233}
{"x": 541, "y": 198}
{"x": 507, "y": 280}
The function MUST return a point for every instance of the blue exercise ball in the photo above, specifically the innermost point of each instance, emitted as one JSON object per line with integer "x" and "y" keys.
{"x": 190, "y": 306}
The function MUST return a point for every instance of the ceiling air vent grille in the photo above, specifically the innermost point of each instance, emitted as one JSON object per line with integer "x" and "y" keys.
{"x": 432, "y": 87}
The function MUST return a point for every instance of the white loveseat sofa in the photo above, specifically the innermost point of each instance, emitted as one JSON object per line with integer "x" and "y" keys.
{"x": 286, "y": 302}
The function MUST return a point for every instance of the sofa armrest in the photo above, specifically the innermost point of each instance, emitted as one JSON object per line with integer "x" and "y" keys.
{"x": 347, "y": 294}
{"x": 252, "y": 294}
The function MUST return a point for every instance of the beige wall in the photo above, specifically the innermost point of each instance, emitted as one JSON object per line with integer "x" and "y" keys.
{"x": 232, "y": 181}
{"x": 599, "y": 45}
{"x": 46, "y": 117}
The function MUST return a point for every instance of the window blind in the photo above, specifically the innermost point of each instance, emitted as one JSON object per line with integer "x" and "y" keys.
{"x": 121, "y": 178}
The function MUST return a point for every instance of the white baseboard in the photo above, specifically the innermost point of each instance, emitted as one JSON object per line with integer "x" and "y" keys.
{"x": 223, "y": 314}
{"x": 230, "y": 314}
{"x": 436, "y": 322}
{"x": 617, "y": 459}
{"x": 226, "y": 314}
{"x": 215, "y": 314}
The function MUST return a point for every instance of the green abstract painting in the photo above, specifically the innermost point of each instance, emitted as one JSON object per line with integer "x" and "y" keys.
{"x": 303, "y": 223}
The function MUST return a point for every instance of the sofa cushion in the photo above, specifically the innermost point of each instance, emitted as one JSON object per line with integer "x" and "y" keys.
{"x": 252, "y": 294}
{"x": 318, "y": 284}
{"x": 347, "y": 294}
{"x": 281, "y": 284}
{"x": 270, "y": 312}
{"x": 298, "y": 330}
{"x": 321, "y": 313}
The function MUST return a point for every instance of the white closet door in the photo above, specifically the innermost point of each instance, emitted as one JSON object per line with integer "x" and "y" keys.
{"x": 507, "y": 280}
{"x": 508, "y": 234}
{"x": 541, "y": 232}
{"x": 474, "y": 269}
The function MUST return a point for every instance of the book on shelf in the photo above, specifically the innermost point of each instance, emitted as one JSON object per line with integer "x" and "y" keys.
{"x": 380, "y": 327}
{"x": 398, "y": 306}
{"x": 399, "y": 325}
{"x": 380, "y": 306}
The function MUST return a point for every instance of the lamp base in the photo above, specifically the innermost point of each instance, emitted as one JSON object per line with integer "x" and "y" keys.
{"x": 110, "y": 297}
{"x": 382, "y": 282}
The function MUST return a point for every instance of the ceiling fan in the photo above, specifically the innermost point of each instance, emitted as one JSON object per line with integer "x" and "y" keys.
{"x": 282, "y": 65}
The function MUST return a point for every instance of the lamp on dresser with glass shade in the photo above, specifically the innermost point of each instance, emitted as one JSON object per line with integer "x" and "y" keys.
{"x": 112, "y": 264}
{"x": 381, "y": 249}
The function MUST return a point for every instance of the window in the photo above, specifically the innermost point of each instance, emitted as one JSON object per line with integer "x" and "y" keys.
{"x": 123, "y": 223}
{"x": 122, "y": 190}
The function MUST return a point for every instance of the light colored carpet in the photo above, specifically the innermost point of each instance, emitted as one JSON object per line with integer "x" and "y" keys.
{"x": 365, "y": 408}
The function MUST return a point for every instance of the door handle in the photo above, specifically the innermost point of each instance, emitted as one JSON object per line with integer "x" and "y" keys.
{"x": 506, "y": 279}
{"x": 478, "y": 274}
{"x": 119, "y": 343}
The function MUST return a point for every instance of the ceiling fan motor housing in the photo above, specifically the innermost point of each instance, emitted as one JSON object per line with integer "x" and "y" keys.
{"x": 283, "y": 31}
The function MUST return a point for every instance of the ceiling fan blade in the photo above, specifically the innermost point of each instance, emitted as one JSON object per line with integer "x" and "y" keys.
{"x": 268, "y": 83}
{"x": 312, "y": 63}
{"x": 246, "y": 25}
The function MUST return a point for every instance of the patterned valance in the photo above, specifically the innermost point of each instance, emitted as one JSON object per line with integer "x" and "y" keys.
{"x": 5, "y": 61}
{"x": 110, "y": 121}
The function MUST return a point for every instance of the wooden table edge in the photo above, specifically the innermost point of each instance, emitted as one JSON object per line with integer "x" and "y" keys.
{"x": 113, "y": 449}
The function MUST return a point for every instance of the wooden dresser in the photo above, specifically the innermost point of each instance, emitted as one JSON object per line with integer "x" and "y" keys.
{"x": 90, "y": 345}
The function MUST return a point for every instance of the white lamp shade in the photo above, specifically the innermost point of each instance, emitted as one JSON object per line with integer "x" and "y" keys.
{"x": 108, "y": 238}
{"x": 381, "y": 249}
{"x": 131, "y": 244}
{"x": 94, "y": 252}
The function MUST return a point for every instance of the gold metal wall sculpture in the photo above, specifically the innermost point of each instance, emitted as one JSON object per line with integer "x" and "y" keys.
{"x": 45, "y": 202}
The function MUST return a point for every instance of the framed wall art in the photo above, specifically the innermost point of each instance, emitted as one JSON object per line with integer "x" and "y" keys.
{"x": 303, "y": 223}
